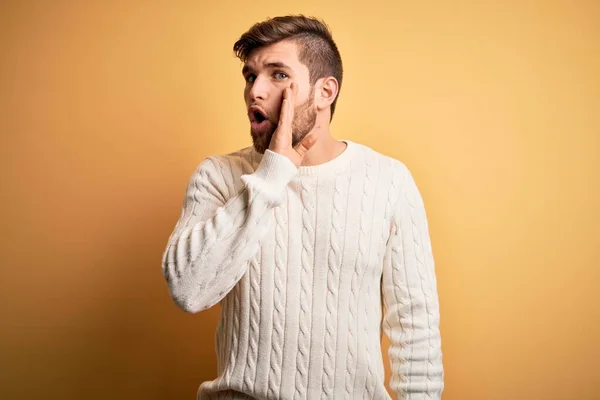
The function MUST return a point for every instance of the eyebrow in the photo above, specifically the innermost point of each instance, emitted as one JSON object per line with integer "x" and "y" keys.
{"x": 270, "y": 65}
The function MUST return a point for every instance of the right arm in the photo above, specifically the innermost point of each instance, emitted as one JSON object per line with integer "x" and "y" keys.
{"x": 213, "y": 240}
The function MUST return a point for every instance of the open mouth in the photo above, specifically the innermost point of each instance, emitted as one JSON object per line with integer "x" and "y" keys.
{"x": 259, "y": 122}
{"x": 257, "y": 115}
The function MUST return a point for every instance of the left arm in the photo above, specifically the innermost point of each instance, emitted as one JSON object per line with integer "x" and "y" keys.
{"x": 411, "y": 318}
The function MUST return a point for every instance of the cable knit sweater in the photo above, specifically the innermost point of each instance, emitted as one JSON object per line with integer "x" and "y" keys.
{"x": 309, "y": 265}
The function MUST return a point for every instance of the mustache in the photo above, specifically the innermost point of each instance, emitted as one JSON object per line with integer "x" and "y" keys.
{"x": 264, "y": 111}
{"x": 273, "y": 115}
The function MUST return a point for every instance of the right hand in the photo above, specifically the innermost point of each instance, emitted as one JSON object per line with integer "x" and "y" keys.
{"x": 281, "y": 142}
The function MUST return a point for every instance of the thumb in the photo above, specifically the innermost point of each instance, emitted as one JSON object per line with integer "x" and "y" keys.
{"x": 304, "y": 146}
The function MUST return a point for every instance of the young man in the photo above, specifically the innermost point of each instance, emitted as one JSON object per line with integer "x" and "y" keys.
{"x": 302, "y": 237}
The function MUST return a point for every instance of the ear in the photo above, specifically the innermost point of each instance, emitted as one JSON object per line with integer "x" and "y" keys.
{"x": 326, "y": 92}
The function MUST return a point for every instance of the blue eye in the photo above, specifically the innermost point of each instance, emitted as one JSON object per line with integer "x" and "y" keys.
{"x": 250, "y": 78}
{"x": 280, "y": 75}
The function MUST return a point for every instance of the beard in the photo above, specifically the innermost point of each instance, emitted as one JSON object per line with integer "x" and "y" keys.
{"x": 305, "y": 118}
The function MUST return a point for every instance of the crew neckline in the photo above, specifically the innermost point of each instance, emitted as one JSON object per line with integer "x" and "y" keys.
{"x": 332, "y": 165}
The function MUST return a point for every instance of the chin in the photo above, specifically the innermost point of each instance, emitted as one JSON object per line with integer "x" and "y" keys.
{"x": 259, "y": 148}
{"x": 260, "y": 142}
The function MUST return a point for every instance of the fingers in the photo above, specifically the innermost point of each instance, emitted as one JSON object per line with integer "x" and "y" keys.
{"x": 304, "y": 146}
{"x": 282, "y": 140}
{"x": 286, "y": 114}
{"x": 283, "y": 110}
{"x": 289, "y": 96}
{"x": 293, "y": 91}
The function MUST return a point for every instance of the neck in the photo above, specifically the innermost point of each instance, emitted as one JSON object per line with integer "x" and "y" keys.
{"x": 325, "y": 149}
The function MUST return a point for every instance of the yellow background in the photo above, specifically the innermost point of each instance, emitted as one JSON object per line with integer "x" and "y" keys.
{"x": 107, "y": 107}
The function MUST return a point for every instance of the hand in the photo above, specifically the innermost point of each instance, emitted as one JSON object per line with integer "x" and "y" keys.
{"x": 281, "y": 142}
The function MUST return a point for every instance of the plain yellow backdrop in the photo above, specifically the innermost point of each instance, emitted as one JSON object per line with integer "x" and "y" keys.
{"x": 106, "y": 108}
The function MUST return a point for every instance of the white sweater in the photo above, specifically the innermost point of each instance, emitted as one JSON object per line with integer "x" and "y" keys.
{"x": 302, "y": 260}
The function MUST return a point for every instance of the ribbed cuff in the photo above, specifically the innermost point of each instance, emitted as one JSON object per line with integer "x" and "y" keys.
{"x": 271, "y": 177}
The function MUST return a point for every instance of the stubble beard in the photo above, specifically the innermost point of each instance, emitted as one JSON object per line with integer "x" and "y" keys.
{"x": 305, "y": 118}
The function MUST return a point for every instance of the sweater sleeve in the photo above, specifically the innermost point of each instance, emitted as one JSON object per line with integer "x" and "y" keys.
{"x": 215, "y": 238}
{"x": 411, "y": 317}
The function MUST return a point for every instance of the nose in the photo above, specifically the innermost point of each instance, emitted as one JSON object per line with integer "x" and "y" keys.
{"x": 259, "y": 89}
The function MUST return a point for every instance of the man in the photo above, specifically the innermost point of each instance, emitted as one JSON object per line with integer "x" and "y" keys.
{"x": 301, "y": 237}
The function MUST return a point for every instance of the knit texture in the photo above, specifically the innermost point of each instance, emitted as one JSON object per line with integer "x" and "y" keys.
{"x": 301, "y": 261}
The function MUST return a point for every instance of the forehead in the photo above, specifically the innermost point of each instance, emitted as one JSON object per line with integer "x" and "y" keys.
{"x": 285, "y": 52}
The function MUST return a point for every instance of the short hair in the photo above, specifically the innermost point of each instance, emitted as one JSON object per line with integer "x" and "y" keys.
{"x": 317, "y": 50}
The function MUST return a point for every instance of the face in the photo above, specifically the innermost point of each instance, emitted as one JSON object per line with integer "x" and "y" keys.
{"x": 267, "y": 72}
